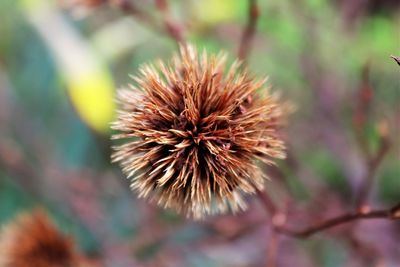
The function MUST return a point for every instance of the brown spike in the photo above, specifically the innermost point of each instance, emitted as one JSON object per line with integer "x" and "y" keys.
{"x": 201, "y": 133}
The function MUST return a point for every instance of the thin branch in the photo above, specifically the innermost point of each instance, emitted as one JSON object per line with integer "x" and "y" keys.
{"x": 397, "y": 59}
{"x": 129, "y": 8}
{"x": 272, "y": 249}
{"x": 249, "y": 31}
{"x": 362, "y": 111}
{"x": 361, "y": 117}
{"x": 278, "y": 224}
{"x": 372, "y": 166}
{"x": 267, "y": 202}
{"x": 391, "y": 214}
{"x": 395, "y": 212}
{"x": 172, "y": 27}
{"x": 276, "y": 218}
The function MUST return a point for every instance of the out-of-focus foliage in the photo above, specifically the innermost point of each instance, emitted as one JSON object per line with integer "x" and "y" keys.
{"x": 61, "y": 62}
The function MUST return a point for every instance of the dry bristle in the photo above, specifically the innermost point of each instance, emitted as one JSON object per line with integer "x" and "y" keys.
{"x": 32, "y": 240}
{"x": 196, "y": 133}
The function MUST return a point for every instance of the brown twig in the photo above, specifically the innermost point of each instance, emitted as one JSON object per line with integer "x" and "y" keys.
{"x": 361, "y": 119}
{"x": 352, "y": 10}
{"x": 391, "y": 214}
{"x": 170, "y": 28}
{"x": 277, "y": 218}
{"x": 397, "y": 59}
{"x": 372, "y": 166}
{"x": 278, "y": 225}
{"x": 267, "y": 202}
{"x": 248, "y": 33}
{"x": 272, "y": 250}
{"x": 362, "y": 111}
{"x": 129, "y": 8}
{"x": 173, "y": 29}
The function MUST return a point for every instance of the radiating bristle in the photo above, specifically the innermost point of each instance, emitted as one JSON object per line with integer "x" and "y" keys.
{"x": 198, "y": 133}
{"x": 32, "y": 240}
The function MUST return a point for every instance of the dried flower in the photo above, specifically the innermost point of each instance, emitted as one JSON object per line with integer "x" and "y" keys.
{"x": 193, "y": 134}
{"x": 32, "y": 240}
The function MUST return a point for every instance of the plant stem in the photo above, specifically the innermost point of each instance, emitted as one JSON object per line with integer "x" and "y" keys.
{"x": 390, "y": 214}
{"x": 372, "y": 166}
{"x": 397, "y": 59}
{"x": 171, "y": 27}
{"x": 249, "y": 30}
{"x": 267, "y": 202}
{"x": 129, "y": 8}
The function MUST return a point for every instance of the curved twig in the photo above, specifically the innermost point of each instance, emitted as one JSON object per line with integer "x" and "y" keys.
{"x": 339, "y": 220}
{"x": 397, "y": 59}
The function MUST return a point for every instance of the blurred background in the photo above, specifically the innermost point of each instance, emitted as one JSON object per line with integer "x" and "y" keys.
{"x": 61, "y": 62}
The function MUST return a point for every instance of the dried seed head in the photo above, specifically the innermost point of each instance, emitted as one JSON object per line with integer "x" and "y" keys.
{"x": 32, "y": 240}
{"x": 194, "y": 131}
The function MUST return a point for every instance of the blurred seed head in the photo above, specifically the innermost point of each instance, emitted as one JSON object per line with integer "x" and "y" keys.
{"x": 32, "y": 240}
{"x": 193, "y": 131}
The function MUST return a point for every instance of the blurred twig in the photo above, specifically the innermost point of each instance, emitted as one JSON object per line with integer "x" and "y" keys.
{"x": 249, "y": 30}
{"x": 277, "y": 219}
{"x": 267, "y": 202}
{"x": 372, "y": 166}
{"x": 173, "y": 29}
{"x": 361, "y": 114}
{"x": 129, "y": 8}
{"x": 352, "y": 10}
{"x": 272, "y": 251}
{"x": 369, "y": 254}
{"x": 170, "y": 28}
{"x": 361, "y": 119}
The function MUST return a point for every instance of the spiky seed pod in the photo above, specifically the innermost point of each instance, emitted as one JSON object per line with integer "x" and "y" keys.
{"x": 32, "y": 240}
{"x": 194, "y": 132}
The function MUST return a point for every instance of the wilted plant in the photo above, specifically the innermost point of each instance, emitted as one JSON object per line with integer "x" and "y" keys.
{"x": 193, "y": 134}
